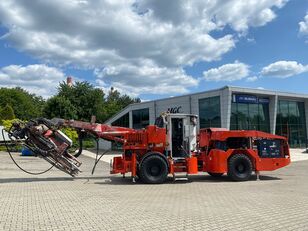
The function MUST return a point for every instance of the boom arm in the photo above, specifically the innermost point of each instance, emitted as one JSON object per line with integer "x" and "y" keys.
{"x": 102, "y": 131}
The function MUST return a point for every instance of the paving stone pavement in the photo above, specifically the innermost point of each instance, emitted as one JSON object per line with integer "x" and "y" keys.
{"x": 55, "y": 201}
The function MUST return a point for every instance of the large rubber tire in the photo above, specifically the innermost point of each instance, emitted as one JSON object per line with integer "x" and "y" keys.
{"x": 239, "y": 167}
{"x": 153, "y": 170}
{"x": 213, "y": 174}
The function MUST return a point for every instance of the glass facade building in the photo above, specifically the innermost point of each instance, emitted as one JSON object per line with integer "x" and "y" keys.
{"x": 291, "y": 122}
{"x": 141, "y": 118}
{"x": 234, "y": 108}
{"x": 209, "y": 112}
{"x": 250, "y": 114}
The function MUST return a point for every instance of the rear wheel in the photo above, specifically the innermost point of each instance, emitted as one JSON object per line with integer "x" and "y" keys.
{"x": 213, "y": 174}
{"x": 153, "y": 170}
{"x": 239, "y": 167}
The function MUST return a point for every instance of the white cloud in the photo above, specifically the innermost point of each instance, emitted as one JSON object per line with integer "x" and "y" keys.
{"x": 228, "y": 72}
{"x": 284, "y": 69}
{"x": 303, "y": 26}
{"x": 109, "y": 35}
{"x": 145, "y": 77}
{"x": 38, "y": 78}
{"x": 251, "y": 40}
{"x": 240, "y": 15}
{"x": 252, "y": 79}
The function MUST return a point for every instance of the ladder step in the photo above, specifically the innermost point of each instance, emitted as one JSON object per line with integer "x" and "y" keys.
{"x": 179, "y": 177}
{"x": 179, "y": 160}
{"x": 174, "y": 166}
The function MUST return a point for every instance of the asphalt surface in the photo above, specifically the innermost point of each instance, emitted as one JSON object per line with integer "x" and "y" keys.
{"x": 56, "y": 201}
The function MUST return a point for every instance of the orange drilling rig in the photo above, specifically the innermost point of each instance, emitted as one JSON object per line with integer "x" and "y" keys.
{"x": 173, "y": 145}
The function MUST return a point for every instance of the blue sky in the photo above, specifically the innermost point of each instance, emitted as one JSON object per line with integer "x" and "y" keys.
{"x": 155, "y": 49}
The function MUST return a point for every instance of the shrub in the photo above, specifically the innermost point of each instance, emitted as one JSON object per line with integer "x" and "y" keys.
{"x": 88, "y": 142}
{"x": 72, "y": 134}
{"x": 7, "y": 124}
{"x": 7, "y": 113}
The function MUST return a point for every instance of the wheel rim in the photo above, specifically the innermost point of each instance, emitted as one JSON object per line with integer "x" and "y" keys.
{"x": 241, "y": 168}
{"x": 155, "y": 170}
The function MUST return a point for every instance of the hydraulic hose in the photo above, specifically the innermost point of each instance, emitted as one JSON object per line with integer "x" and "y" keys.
{"x": 22, "y": 169}
{"x": 80, "y": 138}
{"x": 96, "y": 157}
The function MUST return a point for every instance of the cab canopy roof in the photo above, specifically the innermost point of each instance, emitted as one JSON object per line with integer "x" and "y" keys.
{"x": 223, "y": 134}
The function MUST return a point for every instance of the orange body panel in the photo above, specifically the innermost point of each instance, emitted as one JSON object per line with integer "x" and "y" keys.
{"x": 270, "y": 164}
{"x": 156, "y": 135}
{"x": 217, "y": 161}
{"x": 192, "y": 165}
{"x": 117, "y": 165}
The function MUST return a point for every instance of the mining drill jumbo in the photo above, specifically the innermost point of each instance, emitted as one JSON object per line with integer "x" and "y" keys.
{"x": 171, "y": 146}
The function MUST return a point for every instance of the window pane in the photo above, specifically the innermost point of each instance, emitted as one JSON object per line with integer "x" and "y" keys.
{"x": 252, "y": 116}
{"x": 301, "y": 111}
{"x": 264, "y": 117}
{"x": 264, "y": 127}
{"x": 293, "y": 113}
{"x": 122, "y": 121}
{"x": 209, "y": 112}
{"x": 284, "y": 111}
{"x": 233, "y": 119}
{"x": 242, "y": 116}
{"x": 253, "y": 110}
{"x": 140, "y": 118}
{"x": 204, "y": 107}
{"x": 291, "y": 122}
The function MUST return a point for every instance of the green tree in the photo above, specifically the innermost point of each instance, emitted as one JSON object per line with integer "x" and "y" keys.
{"x": 7, "y": 113}
{"x": 24, "y": 104}
{"x": 82, "y": 100}
{"x": 59, "y": 106}
{"x": 116, "y": 102}
{"x": 86, "y": 99}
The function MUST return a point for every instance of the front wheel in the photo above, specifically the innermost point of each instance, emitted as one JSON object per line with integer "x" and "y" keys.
{"x": 153, "y": 170}
{"x": 239, "y": 167}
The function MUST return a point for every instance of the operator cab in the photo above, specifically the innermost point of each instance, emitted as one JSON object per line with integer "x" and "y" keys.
{"x": 181, "y": 133}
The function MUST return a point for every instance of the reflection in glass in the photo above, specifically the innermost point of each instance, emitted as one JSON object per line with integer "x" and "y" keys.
{"x": 290, "y": 122}
{"x": 141, "y": 118}
{"x": 250, "y": 116}
{"x": 209, "y": 112}
{"x": 122, "y": 121}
